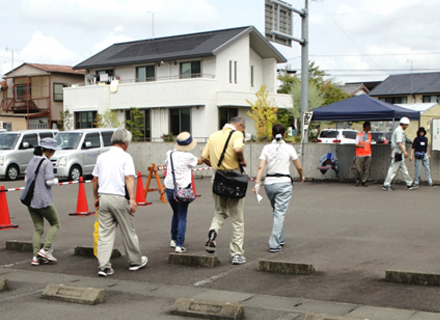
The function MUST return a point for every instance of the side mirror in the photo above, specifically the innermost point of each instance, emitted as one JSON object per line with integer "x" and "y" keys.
{"x": 25, "y": 145}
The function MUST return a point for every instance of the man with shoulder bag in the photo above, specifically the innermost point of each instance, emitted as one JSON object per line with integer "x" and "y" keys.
{"x": 224, "y": 153}
{"x": 398, "y": 155}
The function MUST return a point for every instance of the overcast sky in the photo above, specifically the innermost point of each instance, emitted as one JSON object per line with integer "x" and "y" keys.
{"x": 352, "y": 40}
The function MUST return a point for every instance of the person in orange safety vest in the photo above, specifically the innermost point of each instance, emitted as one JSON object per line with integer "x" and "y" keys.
{"x": 363, "y": 155}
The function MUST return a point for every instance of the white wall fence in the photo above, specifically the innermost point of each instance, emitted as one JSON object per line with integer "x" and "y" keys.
{"x": 146, "y": 153}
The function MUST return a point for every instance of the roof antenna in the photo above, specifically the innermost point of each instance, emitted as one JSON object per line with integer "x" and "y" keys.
{"x": 152, "y": 22}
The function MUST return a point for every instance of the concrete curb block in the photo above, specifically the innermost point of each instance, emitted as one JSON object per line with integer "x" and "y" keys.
{"x": 193, "y": 260}
{"x": 313, "y": 316}
{"x": 285, "y": 267}
{"x": 4, "y": 285}
{"x": 23, "y": 246}
{"x": 207, "y": 309}
{"x": 416, "y": 278}
{"x": 74, "y": 294}
{"x": 88, "y": 252}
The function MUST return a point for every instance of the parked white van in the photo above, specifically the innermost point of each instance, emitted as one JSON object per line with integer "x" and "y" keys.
{"x": 17, "y": 149}
{"x": 79, "y": 150}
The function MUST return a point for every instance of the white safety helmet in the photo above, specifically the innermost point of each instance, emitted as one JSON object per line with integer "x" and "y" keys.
{"x": 404, "y": 120}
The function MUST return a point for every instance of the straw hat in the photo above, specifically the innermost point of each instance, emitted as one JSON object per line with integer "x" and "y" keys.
{"x": 185, "y": 142}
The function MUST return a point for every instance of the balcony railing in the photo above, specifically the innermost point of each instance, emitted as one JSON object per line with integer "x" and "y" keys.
{"x": 166, "y": 78}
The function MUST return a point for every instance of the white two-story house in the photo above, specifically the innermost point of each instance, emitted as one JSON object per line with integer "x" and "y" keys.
{"x": 192, "y": 82}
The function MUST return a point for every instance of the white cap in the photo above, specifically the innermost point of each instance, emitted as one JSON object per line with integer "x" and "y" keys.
{"x": 404, "y": 120}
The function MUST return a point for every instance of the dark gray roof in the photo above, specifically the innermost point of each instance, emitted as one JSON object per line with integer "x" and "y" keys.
{"x": 352, "y": 88}
{"x": 178, "y": 47}
{"x": 415, "y": 83}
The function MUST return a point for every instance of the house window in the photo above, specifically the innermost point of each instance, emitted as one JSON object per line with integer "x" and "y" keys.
{"x": 180, "y": 120}
{"x": 225, "y": 114}
{"x": 394, "y": 100}
{"x": 58, "y": 92}
{"x": 235, "y": 71}
{"x": 146, "y": 73}
{"x": 429, "y": 99}
{"x": 190, "y": 69}
{"x": 21, "y": 92}
{"x": 104, "y": 75}
{"x": 252, "y": 76}
{"x": 85, "y": 119}
{"x": 230, "y": 71}
{"x": 145, "y": 129}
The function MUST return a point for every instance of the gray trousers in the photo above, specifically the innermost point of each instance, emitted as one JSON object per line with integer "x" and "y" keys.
{"x": 392, "y": 170}
{"x": 363, "y": 168}
{"x": 114, "y": 210}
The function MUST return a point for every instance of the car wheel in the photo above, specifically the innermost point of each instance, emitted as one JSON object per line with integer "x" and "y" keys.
{"x": 75, "y": 173}
{"x": 12, "y": 172}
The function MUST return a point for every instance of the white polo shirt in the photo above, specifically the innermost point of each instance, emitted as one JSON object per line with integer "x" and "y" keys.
{"x": 111, "y": 168}
{"x": 278, "y": 156}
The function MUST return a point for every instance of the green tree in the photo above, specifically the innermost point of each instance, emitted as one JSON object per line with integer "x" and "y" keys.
{"x": 136, "y": 124}
{"x": 264, "y": 114}
{"x": 108, "y": 119}
{"x": 66, "y": 120}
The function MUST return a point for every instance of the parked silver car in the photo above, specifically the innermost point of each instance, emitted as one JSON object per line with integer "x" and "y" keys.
{"x": 17, "y": 149}
{"x": 79, "y": 150}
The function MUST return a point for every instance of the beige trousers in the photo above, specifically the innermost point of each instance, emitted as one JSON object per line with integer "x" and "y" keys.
{"x": 114, "y": 210}
{"x": 230, "y": 208}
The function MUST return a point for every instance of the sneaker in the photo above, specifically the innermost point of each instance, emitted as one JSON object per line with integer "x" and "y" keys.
{"x": 387, "y": 188}
{"x": 237, "y": 259}
{"x": 210, "y": 245}
{"x": 36, "y": 261}
{"x": 282, "y": 243}
{"x": 412, "y": 186}
{"x": 173, "y": 244}
{"x": 273, "y": 250}
{"x": 47, "y": 254}
{"x": 430, "y": 184}
{"x": 364, "y": 184}
{"x": 357, "y": 183}
{"x": 135, "y": 267}
{"x": 104, "y": 272}
{"x": 180, "y": 250}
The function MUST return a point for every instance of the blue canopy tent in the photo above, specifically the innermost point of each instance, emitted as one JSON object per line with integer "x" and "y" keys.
{"x": 363, "y": 108}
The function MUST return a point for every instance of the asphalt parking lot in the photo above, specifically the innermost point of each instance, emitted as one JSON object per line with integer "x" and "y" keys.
{"x": 350, "y": 235}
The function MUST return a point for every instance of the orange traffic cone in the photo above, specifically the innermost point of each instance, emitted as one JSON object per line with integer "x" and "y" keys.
{"x": 140, "y": 196}
{"x": 5, "y": 221}
{"x": 193, "y": 186}
{"x": 81, "y": 208}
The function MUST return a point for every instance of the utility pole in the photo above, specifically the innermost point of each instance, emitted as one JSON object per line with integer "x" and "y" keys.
{"x": 305, "y": 65}
{"x": 12, "y": 56}
{"x": 152, "y": 22}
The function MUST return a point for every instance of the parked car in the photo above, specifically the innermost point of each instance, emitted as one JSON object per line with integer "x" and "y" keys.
{"x": 339, "y": 136}
{"x": 17, "y": 149}
{"x": 79, "y": 150}
{"x": 381, "y": 137}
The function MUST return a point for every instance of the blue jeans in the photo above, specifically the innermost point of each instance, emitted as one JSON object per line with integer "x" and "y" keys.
{"x": 279, "y": 195}
{"x": 418, "y": 163}
{"x": 178, "y": 223}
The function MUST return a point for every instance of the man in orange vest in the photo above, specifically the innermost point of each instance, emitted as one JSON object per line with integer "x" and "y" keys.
{"x": 363, "y": 154}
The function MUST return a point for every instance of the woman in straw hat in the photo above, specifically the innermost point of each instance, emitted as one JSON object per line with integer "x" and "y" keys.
{"x": 41, "y": 206}
{"x": 183, "y": 162}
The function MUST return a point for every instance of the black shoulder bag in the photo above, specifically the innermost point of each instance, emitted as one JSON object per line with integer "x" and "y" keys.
{"x": 228, "y": 183}
{"x": 28, "y": 192}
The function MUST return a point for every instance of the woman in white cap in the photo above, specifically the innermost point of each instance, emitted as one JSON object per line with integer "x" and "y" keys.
{"x": 278, "y": 182}
{"x": 182, "y": 162}
{"x": 41, "y": 206}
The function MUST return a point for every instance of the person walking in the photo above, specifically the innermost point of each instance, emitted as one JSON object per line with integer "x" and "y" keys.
{"x": 41, "y": 206}
{"x": 227, "y": 207}
{"x": 363, "y": 155}
{"x": 181, "y": 162}
{"x": 113, "y": 190}
{"x": 398, "y": 155}
{"x": 420, "y": 154}
{"x": 278, "y": 182}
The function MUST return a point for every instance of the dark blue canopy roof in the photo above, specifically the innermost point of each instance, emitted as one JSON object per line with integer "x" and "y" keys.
{"x": 363, "y": 108}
